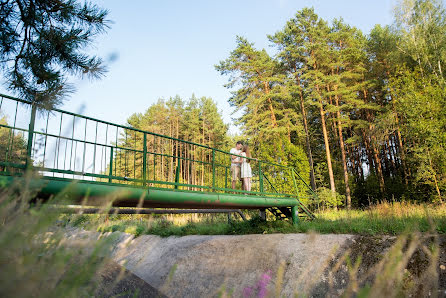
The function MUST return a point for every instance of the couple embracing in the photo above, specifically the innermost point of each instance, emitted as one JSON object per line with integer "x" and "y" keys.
{"x": 240, "y": 167}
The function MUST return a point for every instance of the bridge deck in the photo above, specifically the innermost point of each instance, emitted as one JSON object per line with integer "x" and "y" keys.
{"x": 102, "y": 158}
{"x": 100, "y": 194}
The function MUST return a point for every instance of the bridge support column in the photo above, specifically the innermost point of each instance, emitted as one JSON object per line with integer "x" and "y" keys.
{"x": 262, "y": 214}
{"x": 295, "y": 214}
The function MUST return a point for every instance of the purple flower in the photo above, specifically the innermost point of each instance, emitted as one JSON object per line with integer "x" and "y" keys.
{"x": 247, "y": 292}
{"x": 263, "y": 284}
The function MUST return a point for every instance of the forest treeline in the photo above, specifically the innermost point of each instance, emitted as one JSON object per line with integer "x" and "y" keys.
{"x": 362, "y": 117}
{"x": 369, "y": 110}
{"x": 196, "y": 120}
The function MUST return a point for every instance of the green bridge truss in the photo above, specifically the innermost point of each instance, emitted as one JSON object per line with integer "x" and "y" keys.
{"x": 98, "y": 160}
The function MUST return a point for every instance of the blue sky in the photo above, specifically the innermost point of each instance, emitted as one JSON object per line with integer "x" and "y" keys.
{"x": 165, "y": 48}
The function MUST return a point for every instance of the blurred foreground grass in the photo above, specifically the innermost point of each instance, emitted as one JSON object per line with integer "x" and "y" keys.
{"x": 383, "y": 219}
{"x": 35, "y": 259}
{"x": 409, "y": 265}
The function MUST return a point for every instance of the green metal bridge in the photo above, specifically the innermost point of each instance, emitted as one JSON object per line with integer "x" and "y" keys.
{"x": 93, "y": 161}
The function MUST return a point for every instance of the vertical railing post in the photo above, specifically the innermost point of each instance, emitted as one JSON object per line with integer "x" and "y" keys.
{"x": 295, "y": 184}
{"x": 177, "y": 173}
{"x": 262, "y": 212}
{"x": 29, "y": 147}
{"x": 295, "y": 209}
{"x": 260, "y": 177}
{"x": 144, "y": 160}
{"x": 213, "y": 168}
{"x": 295, "y": 214}
{"x": 110, "y": 173}
{"x": 226, "y": 177}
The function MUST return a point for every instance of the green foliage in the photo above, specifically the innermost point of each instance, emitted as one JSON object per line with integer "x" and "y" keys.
{"x": 42, "y": 43}
{"x": 12, "y": 146}
{"x": 34, "y": 254}
{"x": 371, "y": 107}
{"x": 327, "y": 199}
{"x": 268, "y": 120}
{"x": 420, "y": 100}
{"x": 196, "y": 120}
{"x": 421, "y": 25}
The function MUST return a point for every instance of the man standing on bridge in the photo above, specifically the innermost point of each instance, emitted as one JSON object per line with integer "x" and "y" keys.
{"x": 235, "y": 163}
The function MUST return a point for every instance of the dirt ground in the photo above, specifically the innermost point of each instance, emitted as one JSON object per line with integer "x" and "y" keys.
{"x": 282, "y": 265}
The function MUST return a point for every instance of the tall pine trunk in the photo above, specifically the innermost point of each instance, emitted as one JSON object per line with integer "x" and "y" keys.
{"x": 344, "y": 160}
{"x": 402, "y": 151}
{"x": 373, "y": 143}
{"x": 391, "y": 155}
{"x": 270, "y": 105}
{"x": 434, "y": 174}
{"x": 358, "y": 161}
{"x": 377, "y": 163}
{"x": 307, "y": 137}
{"x": 399, "y": 138}
{"x": 327, "y": 145}
{"x": 368, "y": 151}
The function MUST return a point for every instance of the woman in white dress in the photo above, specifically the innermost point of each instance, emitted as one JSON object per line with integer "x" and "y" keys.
{"x": 246, "y": 172}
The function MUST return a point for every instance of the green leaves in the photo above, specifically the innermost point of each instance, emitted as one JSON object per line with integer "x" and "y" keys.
{"x": 42, "y": 43}
{"x": 268, "y": 117}
{"x": 378, "y": 100}
{"x": 420, "y": 101}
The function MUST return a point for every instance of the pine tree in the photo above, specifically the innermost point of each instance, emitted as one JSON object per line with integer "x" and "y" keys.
{"x": 262, "y": 97}
{"x": 42, "y": 44}
{"x": 197, "y": 120}
{"x": 316, "y": 58}
{"x": 290, "y": 42}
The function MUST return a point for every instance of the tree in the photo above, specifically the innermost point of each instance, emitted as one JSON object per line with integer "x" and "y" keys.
{"x": 196, "y": 120}
{"x": 380, "y": 98}
{"x": 290, "y": 43}
{"x": 382, "y": 45}
{"x": 12, "y": 147}
{"x": 316, "y": 59}
{"x": 347, "y": 54}
{"x": 42, "y": 43}
{"x": 407, "y": 82}
{"x": 422, "y": 26}
{"x": 421, "y": 103}
{"x": 267, "y": 118}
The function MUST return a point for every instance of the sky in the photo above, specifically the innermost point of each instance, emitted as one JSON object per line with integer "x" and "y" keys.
{"x": 159, "y": 49}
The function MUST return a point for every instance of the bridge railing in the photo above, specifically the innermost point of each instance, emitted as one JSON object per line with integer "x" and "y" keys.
{"x": 72, "y": 146}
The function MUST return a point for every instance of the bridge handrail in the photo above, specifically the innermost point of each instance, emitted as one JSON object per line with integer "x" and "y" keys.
{"x": 279, "y": 170}
{"x": 144, "y": 131}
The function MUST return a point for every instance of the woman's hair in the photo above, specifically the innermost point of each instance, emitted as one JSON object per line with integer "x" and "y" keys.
{"x": 248, "y": 153}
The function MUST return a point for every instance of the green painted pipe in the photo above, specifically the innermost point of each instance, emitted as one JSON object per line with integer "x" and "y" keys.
{"x": 96, "y": 193}
{"x": 295, "y": 214}
{"x": 167, "y": 197}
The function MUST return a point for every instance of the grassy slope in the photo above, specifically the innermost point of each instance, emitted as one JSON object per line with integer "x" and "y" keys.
{"x": 34, "y": 259}
{"x": 385, "y": 218}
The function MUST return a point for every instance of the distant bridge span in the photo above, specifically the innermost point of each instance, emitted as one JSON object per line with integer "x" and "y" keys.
{"x": 91, "y": 161}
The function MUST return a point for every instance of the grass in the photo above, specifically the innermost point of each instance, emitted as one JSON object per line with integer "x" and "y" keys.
{"x": 392, "y": 218}
{"x": 382, "y": 219}
{"x": 404, "y": 266}
{"x": 35, "y": 259}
